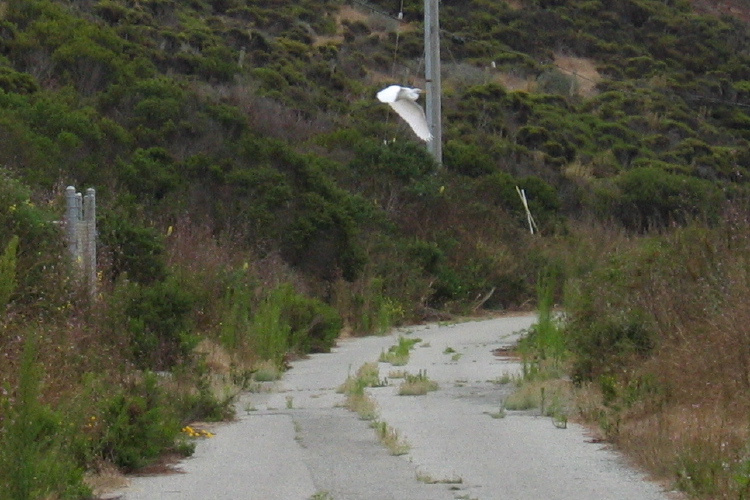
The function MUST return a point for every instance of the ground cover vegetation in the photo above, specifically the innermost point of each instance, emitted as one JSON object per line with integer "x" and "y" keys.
{"x": 253, "y": 203}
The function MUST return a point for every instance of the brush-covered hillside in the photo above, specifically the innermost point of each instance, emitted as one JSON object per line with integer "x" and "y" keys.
{"x": 255, "y": 200}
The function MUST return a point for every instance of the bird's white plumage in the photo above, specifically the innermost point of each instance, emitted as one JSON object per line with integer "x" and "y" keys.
{"x": 403, "y": 100}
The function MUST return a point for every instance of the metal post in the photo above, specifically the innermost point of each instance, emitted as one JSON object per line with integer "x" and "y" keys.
{"x": 432, "y": 77}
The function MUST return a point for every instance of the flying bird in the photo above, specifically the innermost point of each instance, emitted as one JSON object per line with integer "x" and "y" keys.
{"x": 403, "y": 100}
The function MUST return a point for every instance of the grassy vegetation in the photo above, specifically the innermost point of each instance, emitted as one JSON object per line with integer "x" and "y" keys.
{"x": 398, "y": 355}
{"x": 417, "y": 385}
{"x": 357, "y": 398}
{"x": 252, "y": 206}
{"x": 390, "y": 438}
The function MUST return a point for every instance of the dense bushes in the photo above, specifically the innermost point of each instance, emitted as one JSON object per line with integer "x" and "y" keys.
{"x": 650, "y": 197}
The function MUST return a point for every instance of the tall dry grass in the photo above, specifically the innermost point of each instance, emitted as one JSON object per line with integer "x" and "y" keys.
{"x": 680, "y": 404}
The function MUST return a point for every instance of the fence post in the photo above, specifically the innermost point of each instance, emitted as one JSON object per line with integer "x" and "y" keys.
{"x": 89, "y": 246}
{"x": 80, "y": 231}
{"x": 71, "y": 220}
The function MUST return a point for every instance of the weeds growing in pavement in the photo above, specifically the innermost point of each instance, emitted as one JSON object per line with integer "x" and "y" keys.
{"x": 417, "y": 385}
{"x": 428, "y": 479}
{"x": 357, "y": 399}
{"x": 398, "y": 355}
{"x": 391, "y": 438}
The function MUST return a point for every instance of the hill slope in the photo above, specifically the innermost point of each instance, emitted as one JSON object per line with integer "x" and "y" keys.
{"x": 253, "y": 200}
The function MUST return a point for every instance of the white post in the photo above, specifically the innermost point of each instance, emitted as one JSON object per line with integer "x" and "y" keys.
{"x": 529, "y": 217}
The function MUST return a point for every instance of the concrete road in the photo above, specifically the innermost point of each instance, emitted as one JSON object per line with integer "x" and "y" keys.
{"x": 298, "y": 442}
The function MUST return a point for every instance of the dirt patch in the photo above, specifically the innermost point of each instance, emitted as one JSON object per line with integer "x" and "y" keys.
{"x": 105, "y": 481}
{"x": 734, "y": 8}
{"x": 514, "y": 83}
{"x": 583, "y": 69}
{"x": 351, "y": 14}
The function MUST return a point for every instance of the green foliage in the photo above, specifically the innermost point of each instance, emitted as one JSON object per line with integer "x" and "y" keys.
{"x": 314, "y": 325}
{"x": 151, "y": 173}
{"x": 417, "y": 385}
{"x": 546, "y": 340}
{"x": 138, "y": 425}
{"x": 398, "y": 354}
{"x": 286, "y": 320}
{"x": 36, "y": 459}
{"x": 157, "y": 316}
{"x": 40, "y": 266}
{"x": 8, "y": 272}
{"x": 136, "y": 251}
{"x": 12, "y": 81}
{"x": 651, "y": 197}
{"x": 269, "y": 332}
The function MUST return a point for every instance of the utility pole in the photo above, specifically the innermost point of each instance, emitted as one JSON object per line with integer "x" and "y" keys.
{"x": 432, "y": 77}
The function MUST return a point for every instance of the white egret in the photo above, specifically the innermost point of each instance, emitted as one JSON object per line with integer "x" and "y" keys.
{"x": 403, "y": 100}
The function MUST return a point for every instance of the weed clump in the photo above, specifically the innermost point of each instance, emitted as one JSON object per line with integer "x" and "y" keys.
{"x": 417, "y": 385}
{"x": 398, "y": 355}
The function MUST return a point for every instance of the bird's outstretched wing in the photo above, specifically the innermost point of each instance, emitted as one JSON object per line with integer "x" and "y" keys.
{"x": 413, "y": 114}
{"x": 403, "y": 102}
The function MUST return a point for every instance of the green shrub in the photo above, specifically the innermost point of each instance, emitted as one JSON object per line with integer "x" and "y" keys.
{"x": 650, "y": 197}
{"x": 36, "y": 459}
{"x": 158, "y": 318}
{"x": 286, "y": 320}
{"x": 41, "y": 269}
{"x": 138, "y": 425}
{"x": 314, "y": 325}
{"x": 136, "y": 251}
{"x": 8, "y": 272}
{"x": 12, "y": 81}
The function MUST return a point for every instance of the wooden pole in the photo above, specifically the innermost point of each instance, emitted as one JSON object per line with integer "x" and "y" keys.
{"x": 432, "y": 77}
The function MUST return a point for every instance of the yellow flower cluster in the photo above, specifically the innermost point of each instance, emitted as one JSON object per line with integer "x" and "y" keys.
{"x": 196, "y": 433}
{"x": 91, "y": 423}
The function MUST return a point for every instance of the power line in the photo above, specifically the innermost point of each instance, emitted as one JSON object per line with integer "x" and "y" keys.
{"x": 400, "y": 20}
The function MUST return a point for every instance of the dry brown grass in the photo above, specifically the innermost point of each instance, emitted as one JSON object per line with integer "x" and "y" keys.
{"x": 682, "y": 411}
{"x": 107, "y": 479}
{"x": 583, "y": 69}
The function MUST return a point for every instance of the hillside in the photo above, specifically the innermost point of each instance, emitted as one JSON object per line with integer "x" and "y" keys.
{"x": 255, "y": 199}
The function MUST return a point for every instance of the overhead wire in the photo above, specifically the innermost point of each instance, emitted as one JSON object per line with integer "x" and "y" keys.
{"x": 399, "y": 18}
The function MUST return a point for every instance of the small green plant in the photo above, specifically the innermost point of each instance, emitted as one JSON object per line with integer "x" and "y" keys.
{"x": 322, "y": 495}
{"x": 357, "y": 399}
{"x": 545, "y": 339}
{"x": 505, "y": 378}
{"x": 368, "y": 375}
{"x": 417, "y": 385}
{"x": 449, "y": 350}
{"x": 500, "y": 413}
{"x": 391, "y": 438}
{"x": 398, "y": 355}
